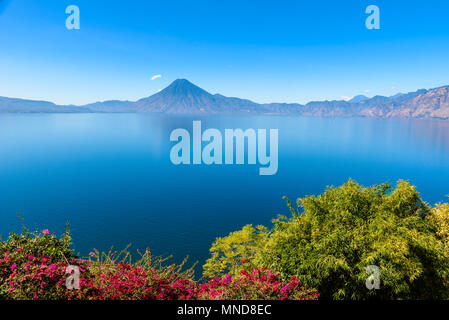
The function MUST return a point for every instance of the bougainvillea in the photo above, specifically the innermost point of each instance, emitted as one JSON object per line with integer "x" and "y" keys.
{"x": 30, "y": 273}
{"x": 42, "y": 280}
{"x": 260, "y": 284}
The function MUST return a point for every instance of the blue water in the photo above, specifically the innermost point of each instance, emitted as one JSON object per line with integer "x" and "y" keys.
{"x": 110, "y": 175}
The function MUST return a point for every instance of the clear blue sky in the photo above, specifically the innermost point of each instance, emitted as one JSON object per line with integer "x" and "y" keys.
{"x": 266, "y": 51}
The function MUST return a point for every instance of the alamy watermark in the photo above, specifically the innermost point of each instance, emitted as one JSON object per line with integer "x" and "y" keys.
{"x": 373, "y": 20}
{"x": 73, "y": 20}
{"x": 73, "y": 280}
{"x": 212, "y": 153}
{"x": 373, "y": 280}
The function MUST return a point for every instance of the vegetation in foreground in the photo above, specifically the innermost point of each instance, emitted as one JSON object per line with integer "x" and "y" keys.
{"x": 33, "y": 267}
{"x": 328, "y": 243}
{"x": 331, "y": 239}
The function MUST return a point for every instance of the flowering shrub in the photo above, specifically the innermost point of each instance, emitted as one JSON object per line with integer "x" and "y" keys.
{"x": 37, "y": 279}
{"x": 31, "y": 253}
{"x": 127, "y": 282}
{"x": 260, "y": 284}
{"x": 33, "y": 267}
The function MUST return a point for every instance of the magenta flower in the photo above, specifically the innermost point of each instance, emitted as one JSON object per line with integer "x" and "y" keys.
{"x": 13, "y": 266}
{"x": 227, "y": 278}
{"x": 46, "y": 231}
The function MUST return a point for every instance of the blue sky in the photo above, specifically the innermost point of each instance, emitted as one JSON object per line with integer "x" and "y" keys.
{"x": 266, "y": 51}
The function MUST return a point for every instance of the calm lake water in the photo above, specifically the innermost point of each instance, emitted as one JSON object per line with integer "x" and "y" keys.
{"x": 110, "y": 175}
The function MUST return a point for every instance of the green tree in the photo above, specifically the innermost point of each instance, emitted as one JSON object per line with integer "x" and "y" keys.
{"x": 439, "y": 217}
{"x": 346, "y": 229}
{"x": 331, "y": 241}
{"x": 235, "y": 252}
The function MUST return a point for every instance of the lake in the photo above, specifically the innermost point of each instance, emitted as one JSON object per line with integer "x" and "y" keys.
{"x": 111, "y": 176}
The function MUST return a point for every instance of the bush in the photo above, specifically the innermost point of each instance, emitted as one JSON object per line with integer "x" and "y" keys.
{"x": 39, "y": 280}
{"x": 113, "y": 276}
{"x": 33, "y": 267}
{"x": 23, "y": 254}
{"x": 439, "y": 217}
{"x": 234, "y": 252}
{"x": 338, "y": 234}
{"x": 260, "y": 284}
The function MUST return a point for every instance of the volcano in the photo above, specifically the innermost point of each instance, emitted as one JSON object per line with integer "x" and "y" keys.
{"x": 183, "y": 97}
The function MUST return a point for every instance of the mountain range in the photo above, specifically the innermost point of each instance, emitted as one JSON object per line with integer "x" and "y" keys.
{"x": 183, "y": 97}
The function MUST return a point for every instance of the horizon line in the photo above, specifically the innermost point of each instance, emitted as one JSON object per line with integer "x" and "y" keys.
{"x": 178, "y": 79}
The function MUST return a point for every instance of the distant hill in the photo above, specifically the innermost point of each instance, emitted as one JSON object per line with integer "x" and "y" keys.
{"x": 111, "y": 106}
{"x": 183, "y": 97}
{"x": 431, "y": 104}
{"x": 358, "y": 99}
{"x": 13, "y": 105}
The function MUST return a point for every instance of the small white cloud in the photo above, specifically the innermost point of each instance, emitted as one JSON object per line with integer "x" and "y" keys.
{"x": 346, "y": 98}
{"x": 157, "y": 76}
{"x": 367, "y": 91}
{"x": 159, "y": 90}
{"x": 393, "y": 88}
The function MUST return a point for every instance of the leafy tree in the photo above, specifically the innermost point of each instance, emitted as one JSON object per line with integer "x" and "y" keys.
{"x": 231, "y": 254}
{"x": 335, "y": 236}
{"x": 346, "y": 229}
{"x": 440, "y": 218}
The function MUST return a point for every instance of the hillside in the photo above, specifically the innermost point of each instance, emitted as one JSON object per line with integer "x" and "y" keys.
{"x": 183, "y": 97}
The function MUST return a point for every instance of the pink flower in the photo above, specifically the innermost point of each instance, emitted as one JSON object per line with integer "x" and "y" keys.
{"x": 46, "y": 231}
{"x": 13, "y": 266}
{"x": 227, "y": 278}
{"x": 36, "y": 297}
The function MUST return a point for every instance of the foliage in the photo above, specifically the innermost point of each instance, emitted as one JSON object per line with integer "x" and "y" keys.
{"x": 260, "y": 284}
{"x": 30, "y": 250}
{"x": 439, "y": 217}
{"x": 338, "y": 234}
{"x": 39, "y": 279}
{"x": 29, "y": 273}
{"x": 234, "y": 252}
{"x": 127, "y": 282}
{"x": 328, "y": 244}
{"x": 113, "y": 276}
